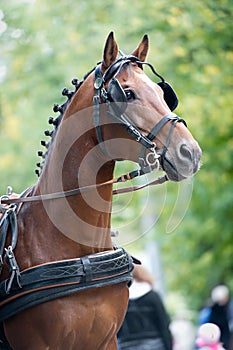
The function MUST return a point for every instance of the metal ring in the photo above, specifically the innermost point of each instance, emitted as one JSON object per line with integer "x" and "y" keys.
{"x": 155, "y": 158}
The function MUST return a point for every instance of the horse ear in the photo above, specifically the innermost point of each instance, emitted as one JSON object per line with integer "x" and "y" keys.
{"x": 141, "y": 51}
{"x": 110, "y": 51}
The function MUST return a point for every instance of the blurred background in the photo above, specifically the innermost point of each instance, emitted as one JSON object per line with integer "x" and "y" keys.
{"x": 182, "y": 232}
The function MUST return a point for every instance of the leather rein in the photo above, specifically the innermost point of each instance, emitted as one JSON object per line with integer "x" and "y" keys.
{"x": 147, "y": 162}
{"x": 6, "y": 200}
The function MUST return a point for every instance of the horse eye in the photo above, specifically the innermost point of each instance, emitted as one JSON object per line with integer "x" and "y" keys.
{"x": 130, "y": 95}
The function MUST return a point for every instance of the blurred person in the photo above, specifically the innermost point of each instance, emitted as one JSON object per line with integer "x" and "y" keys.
{"x": 146, "y": 324}
{"x": 219, "y": 313}
{"x": 209, "y": 337}
{"x": 183, "y": 331}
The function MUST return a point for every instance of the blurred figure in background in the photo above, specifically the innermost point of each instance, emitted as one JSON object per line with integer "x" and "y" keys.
{"x": 219, "y": 310}
{"x": 146, "y": 324}
{"x": 183, "y": 331}
{"x": 219, "y": 313}
{"x": 209, "y": 337}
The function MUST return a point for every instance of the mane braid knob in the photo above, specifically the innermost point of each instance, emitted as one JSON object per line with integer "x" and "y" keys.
{"x": 48, "y": 133}
{"x": 76, "y": 83}
{"x": 44, "y": 143}
{"x": 57, "y": 108}
{"x": 68, "y": 93}
{"x": 53, "y": 121}
{"x": 41, "y": 154}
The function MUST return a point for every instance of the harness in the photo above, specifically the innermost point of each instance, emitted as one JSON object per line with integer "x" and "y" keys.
{"x": 49, "y": 281}
{"x": 38, "y": 284}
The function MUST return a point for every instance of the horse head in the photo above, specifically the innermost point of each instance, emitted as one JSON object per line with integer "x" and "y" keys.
{"x": 142, "y": 111}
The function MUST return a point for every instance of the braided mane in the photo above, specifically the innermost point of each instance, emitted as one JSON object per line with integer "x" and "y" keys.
{"x": 56, "y": 121}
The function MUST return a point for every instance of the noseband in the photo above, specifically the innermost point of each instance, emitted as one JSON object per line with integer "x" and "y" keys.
{"x": 115, "y": 98}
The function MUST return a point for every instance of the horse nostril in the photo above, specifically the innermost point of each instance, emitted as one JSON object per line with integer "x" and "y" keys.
{"x": 185, "y": 152}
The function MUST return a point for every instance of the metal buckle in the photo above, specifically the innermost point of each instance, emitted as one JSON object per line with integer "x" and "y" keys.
{"x": 135, "y": 133}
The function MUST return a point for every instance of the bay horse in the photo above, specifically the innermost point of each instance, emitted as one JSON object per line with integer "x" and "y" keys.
{"x": 64, "y": 286}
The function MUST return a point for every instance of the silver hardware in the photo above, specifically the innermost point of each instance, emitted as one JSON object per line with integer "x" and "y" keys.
{"x": 136, "y": 134}
{"x": 9, "y": 191}
{"x": 114, "y": 233}
{"x": 98, "y": 83}
{"x": 3, "y": 207}
{"x": 9, "y": 251}
{"x": 152, "y": 158}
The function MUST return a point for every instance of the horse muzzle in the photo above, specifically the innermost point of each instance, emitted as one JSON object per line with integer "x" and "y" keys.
{"x": 181, "y": 163}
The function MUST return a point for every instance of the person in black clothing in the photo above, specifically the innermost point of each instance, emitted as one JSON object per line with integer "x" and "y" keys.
{"x": 146, "y": 324}
{"x": 219, "y": 313}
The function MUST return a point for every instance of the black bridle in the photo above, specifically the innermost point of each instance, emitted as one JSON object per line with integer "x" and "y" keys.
{"x": 116, "y": 100}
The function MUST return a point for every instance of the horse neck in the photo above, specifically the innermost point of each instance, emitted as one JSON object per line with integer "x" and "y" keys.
{"x": 75, "y": 160}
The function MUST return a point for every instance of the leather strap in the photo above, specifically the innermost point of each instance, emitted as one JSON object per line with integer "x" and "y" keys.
{"x": 76, "y": 191}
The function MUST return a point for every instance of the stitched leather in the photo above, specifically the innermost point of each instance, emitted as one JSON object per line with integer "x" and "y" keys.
{"x": 49, "y": 281}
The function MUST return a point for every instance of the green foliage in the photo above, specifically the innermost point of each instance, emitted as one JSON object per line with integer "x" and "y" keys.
{"x": 44, "y": 45}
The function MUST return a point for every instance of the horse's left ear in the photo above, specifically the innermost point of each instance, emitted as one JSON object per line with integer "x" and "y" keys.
{"x": 110, "y": 51}
{"x": 141, "y": 51}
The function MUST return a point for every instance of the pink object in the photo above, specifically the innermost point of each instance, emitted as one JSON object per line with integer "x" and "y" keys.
{"x": 208, "y": 337}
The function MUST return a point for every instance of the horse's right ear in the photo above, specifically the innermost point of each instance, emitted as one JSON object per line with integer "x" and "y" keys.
{"x": 110, "y": 51}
